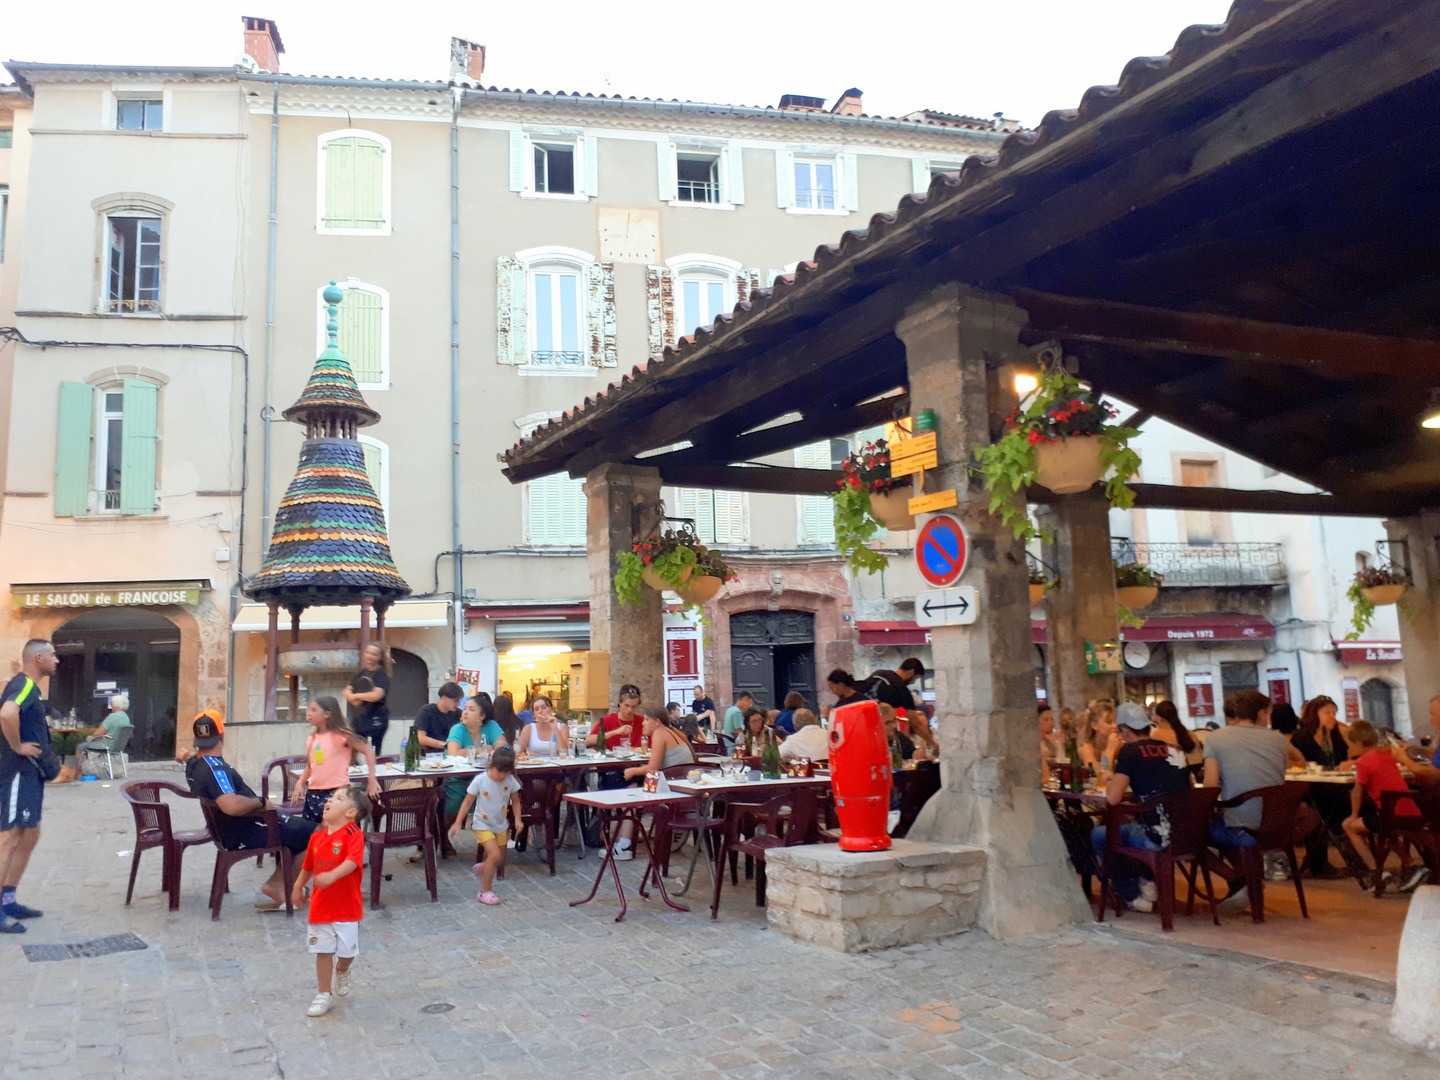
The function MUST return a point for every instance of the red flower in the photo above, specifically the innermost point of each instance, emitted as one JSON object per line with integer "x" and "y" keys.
{"x": 854, "y": 482}
{"x": 1036, "y": 437}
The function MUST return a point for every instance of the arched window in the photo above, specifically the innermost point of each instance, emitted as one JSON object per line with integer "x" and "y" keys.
{"x": 353, "y": 189}
{"x": 377, "y": 468}
{"x": 364, "y": 337}
{"x": 106, "y": 451}
{"x": 556, "y": 311}
{"x": 704, "y": 290}
{"x": 133, "y": 252}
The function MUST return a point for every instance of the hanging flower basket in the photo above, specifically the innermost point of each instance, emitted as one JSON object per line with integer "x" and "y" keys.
{"x": 869, "y": 499}
{"x": 1136, "y": 585}
{"x": 1068, "y": 465}
{"x": 1064, "y": 440}
{"x": 1039, "y": 584}
{"x": 673, "y": 559}
{"x": 1375, "y": 586}
{"x": 1037, "y": 593}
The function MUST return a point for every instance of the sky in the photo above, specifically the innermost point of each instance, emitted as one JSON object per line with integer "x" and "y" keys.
{"x": 1019, "y": 57}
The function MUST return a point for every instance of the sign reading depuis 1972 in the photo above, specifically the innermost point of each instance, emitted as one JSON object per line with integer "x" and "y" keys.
{"x": 107, "y": 594}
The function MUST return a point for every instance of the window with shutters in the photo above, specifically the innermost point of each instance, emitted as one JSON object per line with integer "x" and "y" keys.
{"x": 105, "y": 456}
{"x": 133, "y": 273}
{"x": 700, "y": 172}
{"x": 555, "y": 511}
{"x": 816, "y": 512}
{"x": 721, "y": 517}
{"x": 364, "y": 337}
{"x": 697, "y": 177}
{"x": 377, "y": 468}
{"x": 554, "y": 164}
{"x": 815, "y": 185}
{"x": 353, "y": 189}
{"x": 807, "y": 182}
{"x": 4, "y": 213}
{"x": 556, "y": 312}
{"x": 703, "y": 287}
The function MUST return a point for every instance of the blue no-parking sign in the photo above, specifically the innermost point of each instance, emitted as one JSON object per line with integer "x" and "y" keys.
{"x": 941, "y": 550}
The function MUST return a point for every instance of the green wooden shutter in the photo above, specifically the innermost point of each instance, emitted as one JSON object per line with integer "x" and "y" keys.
{"x": 72, "y": 450}
{"x": 360, "y": 335}
{"x": 137, "y": 456}
{"x": 354, "y": 184}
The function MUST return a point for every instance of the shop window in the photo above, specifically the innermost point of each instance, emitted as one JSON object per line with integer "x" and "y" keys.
{"x": 106, "y": 449}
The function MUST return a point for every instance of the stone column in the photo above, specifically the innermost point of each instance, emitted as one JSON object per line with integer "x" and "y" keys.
{"x": 984, "y": 674}
{"x": 1419, "y": 614}
{"x": 623, "y": 502}
{"x": 1083, "y": 605}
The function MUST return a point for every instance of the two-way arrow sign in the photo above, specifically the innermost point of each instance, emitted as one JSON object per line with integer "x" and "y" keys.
{"x": 947, "y": 607}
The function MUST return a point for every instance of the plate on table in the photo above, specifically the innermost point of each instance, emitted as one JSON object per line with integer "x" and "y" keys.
{"x": 433, "y": 766}
{"x": 359, "y": 770}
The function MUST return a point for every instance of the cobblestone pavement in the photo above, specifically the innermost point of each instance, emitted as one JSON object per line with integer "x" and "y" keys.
{"x": 542, "y": 990}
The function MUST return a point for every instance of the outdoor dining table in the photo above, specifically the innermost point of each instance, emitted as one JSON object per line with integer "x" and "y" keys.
{"x": 629, "y": 804}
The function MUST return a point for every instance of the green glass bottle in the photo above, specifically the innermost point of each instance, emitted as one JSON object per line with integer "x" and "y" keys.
{"x": 412, "y": 750}
{"x": 600, "y": 739}
{"x": 1077, "y": 770}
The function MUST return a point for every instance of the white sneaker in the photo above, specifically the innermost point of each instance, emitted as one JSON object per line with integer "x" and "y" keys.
{"x": 320, "y": 1006}
{"x": 1150, "y": 891}
{"x": 342, "y": 982}
{"x": 1141, "y": 904}
{"x": 1237, "y": 901}
{"x": 624, "y": 854}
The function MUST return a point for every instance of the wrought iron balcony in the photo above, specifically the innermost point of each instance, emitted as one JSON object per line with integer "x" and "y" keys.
{"x": 557, "y": 358}
{"x": 1207, "y": 564}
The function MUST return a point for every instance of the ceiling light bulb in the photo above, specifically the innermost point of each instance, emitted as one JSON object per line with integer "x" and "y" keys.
{"x": 1025, "y": 383}
{"x": 1431, "y": 416}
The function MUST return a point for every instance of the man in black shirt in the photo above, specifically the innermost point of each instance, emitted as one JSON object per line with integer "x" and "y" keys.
{"x": 433, "y": 722}
{"x": 701, "y": 706}
{"x": 1149, "y": 768}
{"x": 893, "y": 687}
{"x": 24, "y": 738}
{"x": 211, "y": 777}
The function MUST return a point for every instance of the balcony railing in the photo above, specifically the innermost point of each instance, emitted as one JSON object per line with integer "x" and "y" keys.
{"x": 1207, "y": 564}
{"x": 698, "y": 191}
{"x": 557, "y": 358}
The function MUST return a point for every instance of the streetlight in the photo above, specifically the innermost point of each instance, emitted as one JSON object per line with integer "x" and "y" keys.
{"x": 1431, "y": 419}
{"x": 1026, "y": 383}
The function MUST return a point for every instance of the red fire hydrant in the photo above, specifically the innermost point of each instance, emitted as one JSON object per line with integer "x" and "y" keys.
{"x": 860, "y": 776}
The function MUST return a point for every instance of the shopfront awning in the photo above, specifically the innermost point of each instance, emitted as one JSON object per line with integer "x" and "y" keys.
{"x": 1369, "y": 652}
{"x": 405, "y": 615}
{"x": 894, "y": 632}
{"x": 1183, "y": 628}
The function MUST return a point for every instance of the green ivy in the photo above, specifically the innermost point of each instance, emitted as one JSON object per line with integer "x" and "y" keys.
{"x": 627, "y": 579}
{"x": 1362, "y": 615}
{"x": 1128, "y": 617}
{"x": 855, "y": 526}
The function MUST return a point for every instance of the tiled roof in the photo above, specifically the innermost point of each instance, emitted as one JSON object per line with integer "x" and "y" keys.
{"x": 1141, "y": 73}
{"x": 332, "y": 386}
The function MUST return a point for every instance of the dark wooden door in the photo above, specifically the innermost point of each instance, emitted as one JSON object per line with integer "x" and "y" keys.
{"x": 1377, "y": 703}
{"x": 795, "y": 670}
{"x": 752, "y": 668}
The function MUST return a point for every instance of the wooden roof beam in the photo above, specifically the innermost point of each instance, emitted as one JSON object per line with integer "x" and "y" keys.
{"x": 1235, "y": 500}
{"x": 782, "y": 481}
{"x": 1335, "y": 354}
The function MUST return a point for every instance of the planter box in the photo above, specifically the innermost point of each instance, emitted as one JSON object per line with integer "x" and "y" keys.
{"x": 659, "y": 584}
{"x": 1135, "y": 597}
{"x": 701, "y": 590}
{"x": 1382, "y": 595}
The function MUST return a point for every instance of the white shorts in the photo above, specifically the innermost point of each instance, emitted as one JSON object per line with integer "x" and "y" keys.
{"x": 340, "y": 938}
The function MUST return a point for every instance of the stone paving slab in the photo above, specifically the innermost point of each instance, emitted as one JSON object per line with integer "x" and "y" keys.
{"x": 543, "y": 990}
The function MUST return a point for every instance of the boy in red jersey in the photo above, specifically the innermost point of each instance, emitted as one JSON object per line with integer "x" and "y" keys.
{"x": 333, "y": 859}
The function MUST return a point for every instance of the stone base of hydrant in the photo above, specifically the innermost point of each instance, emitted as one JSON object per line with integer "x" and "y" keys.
{"x": 855, "y": 901}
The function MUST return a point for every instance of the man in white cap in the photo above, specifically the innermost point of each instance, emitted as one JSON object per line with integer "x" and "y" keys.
{"x": 1149, "y": 768}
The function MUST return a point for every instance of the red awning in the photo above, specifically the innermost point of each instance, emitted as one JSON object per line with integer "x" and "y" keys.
{"x": 1182, "y": 628}
{"x": 1369, "y": 652}
{"x": 899, "y": 632}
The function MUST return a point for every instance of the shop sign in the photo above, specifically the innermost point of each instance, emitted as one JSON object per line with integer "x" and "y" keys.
{"x": 110, "y": 594}
{"x": 1350, "y": 689}
{"x": 1200, "y": 695}
{"x": 1279, "y": 679}
{"x": 682, "y": 660}
{"x": 1102, "y": 657}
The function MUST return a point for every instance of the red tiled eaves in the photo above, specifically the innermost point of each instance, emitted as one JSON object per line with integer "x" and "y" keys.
{"x": 1139, "y": 75}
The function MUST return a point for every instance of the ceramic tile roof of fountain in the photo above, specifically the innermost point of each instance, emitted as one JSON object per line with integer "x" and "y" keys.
{"x": 330, "y": 544}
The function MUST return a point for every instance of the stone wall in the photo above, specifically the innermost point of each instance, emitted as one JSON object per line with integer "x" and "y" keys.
{"x": 856, "y": 901}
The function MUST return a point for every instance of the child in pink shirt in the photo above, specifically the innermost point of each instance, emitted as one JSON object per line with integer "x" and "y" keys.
{"x": 328, "y": 751}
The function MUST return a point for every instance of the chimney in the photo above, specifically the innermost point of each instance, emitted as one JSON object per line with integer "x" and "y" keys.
{"x": 262, "y": 43}
{"x": 467, "y": 61}
{"x": 801, "y": 103}
{"x": 849, "y": 104}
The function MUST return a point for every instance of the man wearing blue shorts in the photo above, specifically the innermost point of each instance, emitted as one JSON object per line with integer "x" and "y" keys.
{"x": 26, "y": 734}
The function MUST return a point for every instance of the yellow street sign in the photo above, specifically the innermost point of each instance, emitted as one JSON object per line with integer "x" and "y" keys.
{"x": 919, "y": 444}
{"x": 907, "y": 465}
{"x": 940, "y": 500}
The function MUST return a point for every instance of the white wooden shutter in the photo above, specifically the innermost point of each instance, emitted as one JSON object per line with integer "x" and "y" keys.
{"x": 784, "y": 179}
{"x": 734, "y": 175}
{"x": 665, "y": 170}
{"x": 512, "y": 343}
{"x": 919, "y": 175}
{"x": 695, "y": 504}
{"x": 817, "y": 514}
{"x": 592, "y": 166}
{"x": 556, "y": 511}
{"x": 660, "y": 307}
{"x": 851, "y": 165}
{"x": 600, "y": 314}
{"x": 731, "y": 519}
{"x": 519, "y": 163}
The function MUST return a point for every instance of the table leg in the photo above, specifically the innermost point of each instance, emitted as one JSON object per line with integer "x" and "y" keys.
{"x": 652, "y": 869}
{"x": 607, "y": 861}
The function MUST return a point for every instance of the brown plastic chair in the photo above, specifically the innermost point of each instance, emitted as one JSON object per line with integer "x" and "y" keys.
{"x": 1279, "y": 804}
{"x": 153, "y": 829}
{"x": 1398, "y": 834}
{"x": 404, "y": 817}
{"x": 226, "y": 857}
{"x": 287, "y": 781}
{"x": 1189, "y": 813}
{"x": 797, "y": 829}
{"x": 540, "y": 808}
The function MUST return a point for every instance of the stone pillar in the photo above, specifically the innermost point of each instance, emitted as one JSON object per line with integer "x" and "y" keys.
{"x": 1083, "y": 605}
{"x": 984, "y": 673}
{"x": 623, "y": 502}
{"x": 1419, "y": 614}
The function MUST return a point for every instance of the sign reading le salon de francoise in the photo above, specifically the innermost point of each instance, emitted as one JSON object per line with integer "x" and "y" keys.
{"x": 107, "y": 594}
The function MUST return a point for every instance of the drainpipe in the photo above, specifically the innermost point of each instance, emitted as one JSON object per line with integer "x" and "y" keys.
{"x": 457, "y": 95}
{"x": 267, "y": 412}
